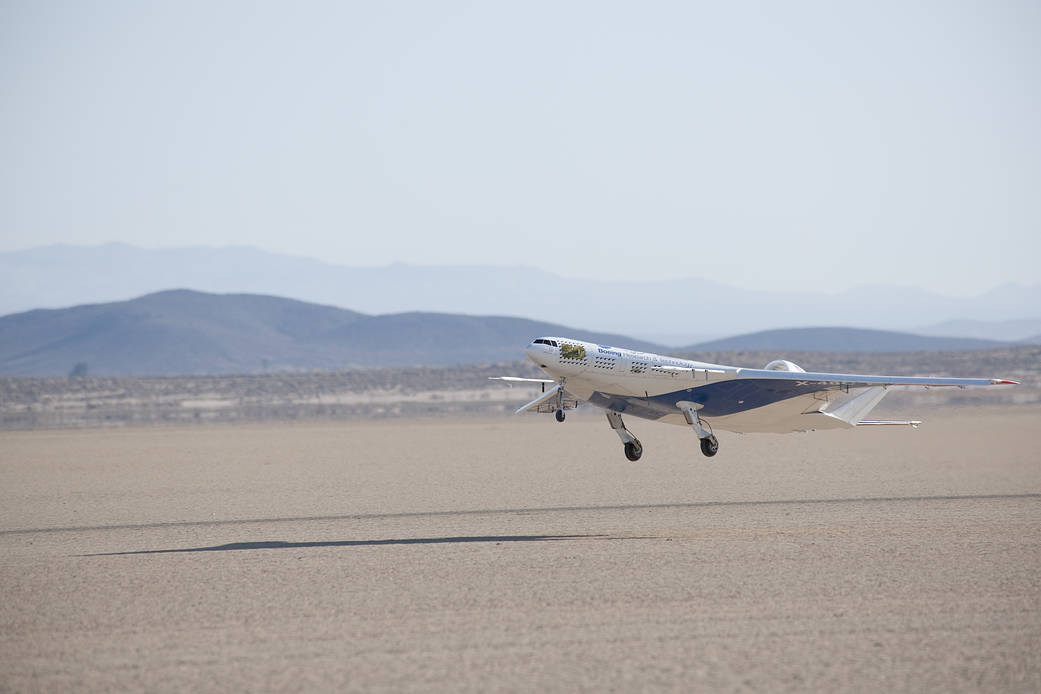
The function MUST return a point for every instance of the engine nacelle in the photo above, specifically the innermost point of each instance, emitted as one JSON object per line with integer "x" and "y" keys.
{"x": 784, "y": 365}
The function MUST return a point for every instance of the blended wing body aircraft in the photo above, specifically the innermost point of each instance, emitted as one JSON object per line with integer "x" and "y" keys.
{"x": 779, "y": 398}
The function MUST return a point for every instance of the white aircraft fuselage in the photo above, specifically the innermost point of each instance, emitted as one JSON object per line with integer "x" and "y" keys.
{"x": 624, "y": 380}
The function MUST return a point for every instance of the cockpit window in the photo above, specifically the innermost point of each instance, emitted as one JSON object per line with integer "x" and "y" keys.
{"x": 540, "y": 341}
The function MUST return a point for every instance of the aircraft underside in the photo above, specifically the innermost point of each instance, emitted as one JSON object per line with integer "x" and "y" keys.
{"x": 747, "y": 405}
{"x": 741, "y": 406}
{"x": 726, "y": 407}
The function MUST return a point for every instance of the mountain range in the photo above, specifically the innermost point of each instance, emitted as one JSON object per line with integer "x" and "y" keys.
{"x": 672, "y": 312}
{"x": 187, "y": 332}
{"x": 181, "y": 332}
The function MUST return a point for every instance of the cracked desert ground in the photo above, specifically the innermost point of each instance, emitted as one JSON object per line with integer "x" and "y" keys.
{"x": 517, "y": 554}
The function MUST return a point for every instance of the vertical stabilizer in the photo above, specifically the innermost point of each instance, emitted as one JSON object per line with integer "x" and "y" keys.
{"x": 853, "y": 411}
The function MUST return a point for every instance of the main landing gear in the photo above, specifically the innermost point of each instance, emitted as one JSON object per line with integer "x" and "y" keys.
{"x": 559, "y": 414}
{"x": 709, "y": 444}
{"x": 634, "y": 449}
{"x": 632, "y": 445}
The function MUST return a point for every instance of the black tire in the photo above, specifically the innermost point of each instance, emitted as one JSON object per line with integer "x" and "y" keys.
{"x": 633, "y": 450}
{"x": 560, "y": 415}
{"x": 709, "y": 446}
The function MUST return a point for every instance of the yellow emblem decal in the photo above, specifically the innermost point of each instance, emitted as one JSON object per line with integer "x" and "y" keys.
{"x": 572, "y": 352}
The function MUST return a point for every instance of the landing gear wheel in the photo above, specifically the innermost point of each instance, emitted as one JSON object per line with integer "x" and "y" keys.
{"x": 559, "y": 415}
{"x": 633, "y": 450}
{"x": 709, "y": 446}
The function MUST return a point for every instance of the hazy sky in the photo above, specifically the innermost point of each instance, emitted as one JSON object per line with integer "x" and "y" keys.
{"x": 783, "y": 145}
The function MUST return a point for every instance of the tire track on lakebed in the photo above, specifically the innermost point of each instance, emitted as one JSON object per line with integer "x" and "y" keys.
{"x": 524, "y": 511}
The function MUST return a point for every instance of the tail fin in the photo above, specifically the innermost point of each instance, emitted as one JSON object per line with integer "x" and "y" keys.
{"x": 853, "y": 411}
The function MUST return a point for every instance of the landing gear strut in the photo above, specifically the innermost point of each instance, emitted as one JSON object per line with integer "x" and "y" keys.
{"x": 559, "y": 414}
{"x": 632, "y": 445}
{"x": 709, "y": 444}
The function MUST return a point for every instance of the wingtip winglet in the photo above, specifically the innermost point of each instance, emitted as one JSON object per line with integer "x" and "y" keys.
{"x": 1003, "y": 382}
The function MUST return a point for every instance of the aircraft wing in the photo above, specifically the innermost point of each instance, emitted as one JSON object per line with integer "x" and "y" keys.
{"x": 862, "y": 381}
{"x": 544, "y": 400}
{"x": 556, "y": 398}
{"x": 777, "y": 401}
{"x": 515, "y": 379}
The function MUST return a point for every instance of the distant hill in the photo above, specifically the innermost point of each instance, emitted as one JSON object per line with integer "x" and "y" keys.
{"x": 673, "y": 312}
{"x": 843, "y": 340}
{"x": 1024, "y": 331}
{"x": 182, "y": 332}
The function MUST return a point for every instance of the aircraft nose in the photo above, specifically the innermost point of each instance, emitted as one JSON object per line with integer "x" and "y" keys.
{"x": 537, "y": 351}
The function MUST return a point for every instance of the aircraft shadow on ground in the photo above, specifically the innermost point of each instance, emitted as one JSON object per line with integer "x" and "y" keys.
{"x": 274, "y": 544}
{"x": 278, "y": 544}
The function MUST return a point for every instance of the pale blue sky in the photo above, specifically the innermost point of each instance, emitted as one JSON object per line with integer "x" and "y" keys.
{"x": 769, "y": 145}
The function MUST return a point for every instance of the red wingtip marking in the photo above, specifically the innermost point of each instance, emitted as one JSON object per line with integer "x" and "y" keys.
{"x": 1002, "y": 382}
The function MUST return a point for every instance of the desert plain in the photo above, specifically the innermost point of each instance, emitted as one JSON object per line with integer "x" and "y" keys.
{"x": 498, "y": 553}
